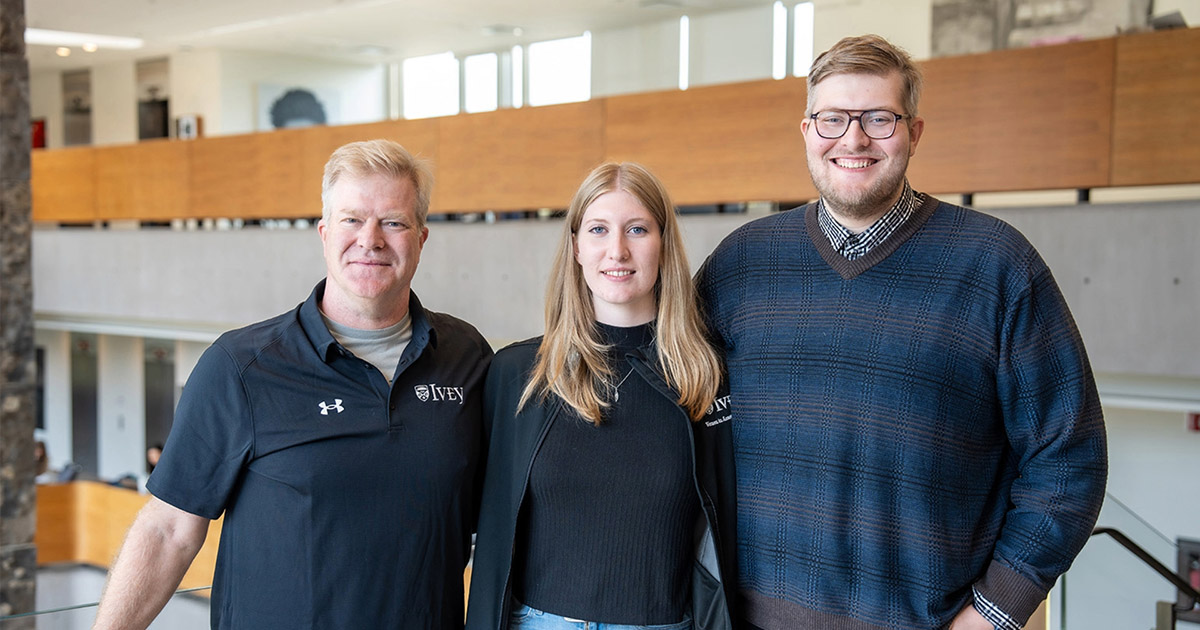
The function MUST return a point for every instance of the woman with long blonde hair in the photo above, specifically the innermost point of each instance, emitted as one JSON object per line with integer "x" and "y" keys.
{"x": 608, "y": 492}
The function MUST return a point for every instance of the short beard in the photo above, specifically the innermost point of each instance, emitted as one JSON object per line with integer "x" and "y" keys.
{"x": 873, "y": 202}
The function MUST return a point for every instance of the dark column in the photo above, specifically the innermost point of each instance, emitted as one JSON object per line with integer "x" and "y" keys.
{"x": 18, "y": 557}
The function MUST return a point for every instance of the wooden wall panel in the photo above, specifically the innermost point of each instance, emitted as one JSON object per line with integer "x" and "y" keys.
{"x": 738, "y": 142}
{"x": 1026, "y": 119}
{"x": 205, "y": 563}
{"x": 1155, "y": 139}
{"x": 252, "y": 176}
{"x": 86, "y": 521}
{"x": 64, "y": 185}
{"x": 1082, "y": 115}
{"x": 148, "y": 181}
{"x": 517, "y": 159}
{"x": 116, "y": 178}
{"x": 418, "y": 136}
{"x": 55, "y": 534}
{"x": 91, "y": 525}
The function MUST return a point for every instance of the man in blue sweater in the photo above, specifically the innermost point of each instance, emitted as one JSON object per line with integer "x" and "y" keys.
{"x": 919, "y": 442}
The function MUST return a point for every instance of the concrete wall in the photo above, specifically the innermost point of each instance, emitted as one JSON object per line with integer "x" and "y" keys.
{"x": 191, "y": 77}
{"x": 121, "y": 408}
{"x": 906, "y": 23}
{"x": 731, "y": 46}
{"x": 46, "y": 101}
{"x": 1189, "y": 8}
{"x": 56, "y": 406}
{"x": 1130, "y": 276}
{"x": 1128, "y": 271}
{"x": 114, "y": 104}
{"x": 637, "y": 59}
{"x": 358, "y": 90}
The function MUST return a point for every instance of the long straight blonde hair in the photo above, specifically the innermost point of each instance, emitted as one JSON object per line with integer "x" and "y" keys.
{"x": 571, "y": 361}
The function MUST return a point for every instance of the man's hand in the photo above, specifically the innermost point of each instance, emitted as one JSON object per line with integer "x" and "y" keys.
{"x": 969, "y": 619}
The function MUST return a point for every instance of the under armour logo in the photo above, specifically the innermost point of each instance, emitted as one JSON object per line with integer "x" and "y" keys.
{"x": 336, "y": 406}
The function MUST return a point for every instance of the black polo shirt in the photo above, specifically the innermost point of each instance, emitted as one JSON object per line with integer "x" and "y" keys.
{"x": 348, "y": 504}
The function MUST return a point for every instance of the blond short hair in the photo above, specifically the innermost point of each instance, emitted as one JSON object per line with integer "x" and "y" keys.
{"x": 378, "y": 157}
{"x": 867, "y": 54}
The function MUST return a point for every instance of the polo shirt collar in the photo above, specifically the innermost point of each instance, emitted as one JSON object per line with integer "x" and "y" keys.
{"x": 423, "y": 332}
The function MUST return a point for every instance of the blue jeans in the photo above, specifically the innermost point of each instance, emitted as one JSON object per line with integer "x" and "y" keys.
{"x": 525, "y": 618}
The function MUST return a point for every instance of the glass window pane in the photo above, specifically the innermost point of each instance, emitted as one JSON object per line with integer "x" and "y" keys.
{"x": 779, "y": 41}
{"x": 685, "y": 53}
{"x": 431, "y": 86}
{"x": 518, "y": 76}
{"x": 483, "y": 82}
{"x": 802, "y": 54}
{"x": 560, "y": 71}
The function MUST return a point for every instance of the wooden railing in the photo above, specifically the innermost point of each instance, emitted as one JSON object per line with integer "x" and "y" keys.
{"x": 1093, "y": 114}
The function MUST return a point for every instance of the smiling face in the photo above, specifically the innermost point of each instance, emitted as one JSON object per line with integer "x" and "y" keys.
{"x": 860, "y": 178}
{"x": 372, "y": 243}
{"x": 617, "y": 246}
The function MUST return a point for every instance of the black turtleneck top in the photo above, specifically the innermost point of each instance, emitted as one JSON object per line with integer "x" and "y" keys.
{"x": 606, "y": 534}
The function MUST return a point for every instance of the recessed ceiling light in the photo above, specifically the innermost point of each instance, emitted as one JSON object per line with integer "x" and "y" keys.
{"x": 62, "y": 51}
{"x": 66, "y": 38}
{"x": 89, "y": 47}
{"x": 503, "y": 29}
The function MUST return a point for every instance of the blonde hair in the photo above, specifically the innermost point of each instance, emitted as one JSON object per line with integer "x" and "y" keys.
{"x": 378, "y": 157}
{"x": 571, "y": 362}
{"x": 867, "y": 54}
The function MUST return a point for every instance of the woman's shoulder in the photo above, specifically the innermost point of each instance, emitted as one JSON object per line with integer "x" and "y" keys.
{"x": 517, "y": 356}
{"x": 520, "y": 349}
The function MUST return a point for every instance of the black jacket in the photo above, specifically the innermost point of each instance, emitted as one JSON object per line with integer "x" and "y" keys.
{"x": 513, "y": 442}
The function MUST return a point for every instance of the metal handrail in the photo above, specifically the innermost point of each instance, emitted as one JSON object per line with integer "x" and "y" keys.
{"x": 1186, "y": 591}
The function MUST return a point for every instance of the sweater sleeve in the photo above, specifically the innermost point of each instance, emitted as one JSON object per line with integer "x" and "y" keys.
{"x": 710, "y": 292}
{"x": 1054, "y": 425}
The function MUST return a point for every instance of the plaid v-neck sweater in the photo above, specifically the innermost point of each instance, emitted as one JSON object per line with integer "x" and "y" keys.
{"x": 911, "y": 426}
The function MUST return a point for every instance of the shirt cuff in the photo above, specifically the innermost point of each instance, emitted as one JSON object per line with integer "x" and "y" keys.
{"x": 1002, "y": 594}
{"x": 993, "y": 614}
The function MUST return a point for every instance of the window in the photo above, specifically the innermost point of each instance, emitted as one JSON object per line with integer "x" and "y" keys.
{"x": 431, "y": 86}
{"x": 560, "y": 71}
{"x": 779, "y": 41}
{"x": 801, "y": 43}
{"x": 684, "y": 51}
{"x": 802, "y": 50}
{"x": 518, "y": 76}
{"x": 482, "y": 85}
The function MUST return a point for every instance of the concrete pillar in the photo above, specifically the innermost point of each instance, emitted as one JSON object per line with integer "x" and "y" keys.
{"x": 187, "y": 355}
{"x": 56, "y": 404}
{"x": 18, "y": 557}
{"x": 121, "y": 405}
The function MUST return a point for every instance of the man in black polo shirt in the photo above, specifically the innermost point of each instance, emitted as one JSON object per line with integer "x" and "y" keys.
{"x": 340, "y": 440}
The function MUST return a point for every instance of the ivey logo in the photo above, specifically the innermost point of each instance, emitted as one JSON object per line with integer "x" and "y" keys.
{"x": 326, "y": 407}
{"x": 719, "y": 405}
{"x": 437, "y": 393}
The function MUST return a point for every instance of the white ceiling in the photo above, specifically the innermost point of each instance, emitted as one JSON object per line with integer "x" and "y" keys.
{"x": 366, "y": 31}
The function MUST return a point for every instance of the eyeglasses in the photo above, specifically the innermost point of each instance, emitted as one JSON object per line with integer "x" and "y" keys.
{"x": 878, "y": 124}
